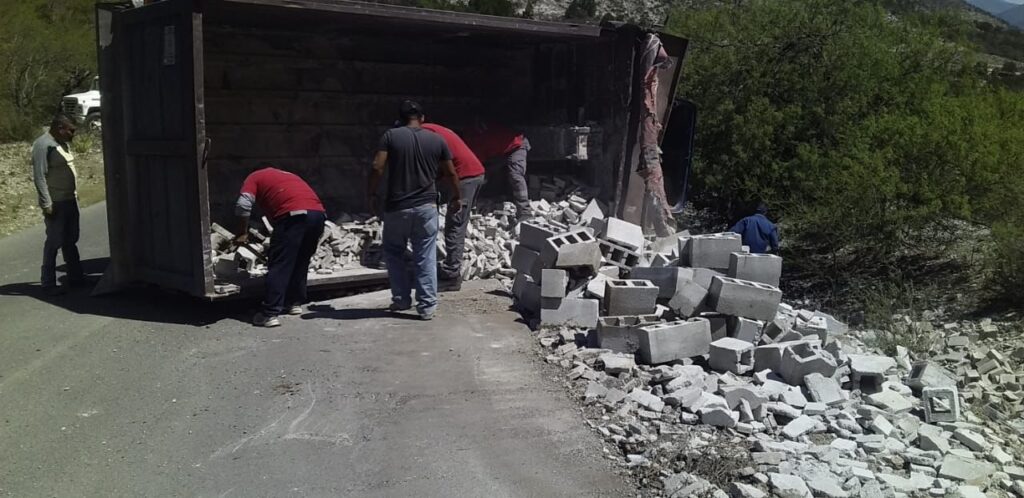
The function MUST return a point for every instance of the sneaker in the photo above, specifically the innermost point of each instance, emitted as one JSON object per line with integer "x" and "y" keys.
{"x": 395, "y": 307}
{"x": 295, "y": 310}
{"x": 426, "y": 317}
{"x": 261, "y": 320}
{"x": 54, "y": 290}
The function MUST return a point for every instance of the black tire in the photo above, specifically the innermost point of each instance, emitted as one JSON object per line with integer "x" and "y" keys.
{"x": 93, "y": 121}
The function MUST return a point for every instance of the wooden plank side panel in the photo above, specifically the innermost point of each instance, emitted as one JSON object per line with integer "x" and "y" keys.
{"x": 161, "y": 144}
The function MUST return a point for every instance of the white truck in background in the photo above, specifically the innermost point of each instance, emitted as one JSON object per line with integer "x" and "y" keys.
{"x": 84, "y": 107}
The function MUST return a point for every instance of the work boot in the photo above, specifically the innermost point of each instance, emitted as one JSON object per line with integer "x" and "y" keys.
{"x": 261, "y": 320}
{"x": 450, "y": 284}
{"x": 395, "y": 307}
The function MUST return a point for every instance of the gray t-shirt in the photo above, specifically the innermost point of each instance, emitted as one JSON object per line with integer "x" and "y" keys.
{"x": 414, "y": 155}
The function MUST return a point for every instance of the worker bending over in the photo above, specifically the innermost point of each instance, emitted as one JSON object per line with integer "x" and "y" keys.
{"x": 759, "y": 234}
{"x": 297, "y": 216}
{"x": 414, "y": 159}
{"x": 53, "y": 171}
{"x": 470, "y": 171}
{"x": 492, "y": 140}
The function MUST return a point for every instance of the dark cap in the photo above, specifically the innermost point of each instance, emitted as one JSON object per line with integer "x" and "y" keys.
{"x": 409, "y": 109}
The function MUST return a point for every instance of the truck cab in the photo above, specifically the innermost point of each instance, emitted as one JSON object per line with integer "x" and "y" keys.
{"x": 84, "y": 107}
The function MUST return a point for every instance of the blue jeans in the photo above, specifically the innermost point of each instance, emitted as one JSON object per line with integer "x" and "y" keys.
{"x": 418, "y": 226}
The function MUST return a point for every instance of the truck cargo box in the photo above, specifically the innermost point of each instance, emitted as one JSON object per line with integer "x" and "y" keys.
{"x": 197, "y": 93}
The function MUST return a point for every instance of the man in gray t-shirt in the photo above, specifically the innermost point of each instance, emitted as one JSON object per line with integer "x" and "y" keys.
{"x": 414, "y": 159}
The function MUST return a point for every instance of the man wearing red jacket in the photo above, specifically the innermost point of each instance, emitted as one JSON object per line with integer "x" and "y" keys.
{"x": 471, "y": 178}
{"x": 491, "y": 140}
{"x": 297, "y": 216}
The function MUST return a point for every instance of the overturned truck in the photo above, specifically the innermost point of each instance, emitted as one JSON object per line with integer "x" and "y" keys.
{"x": 198, "y": 92}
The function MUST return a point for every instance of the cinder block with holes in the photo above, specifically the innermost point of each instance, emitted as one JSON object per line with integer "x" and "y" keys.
{"x": 574, "y": 250}
{"x": 553, "y": 283}
{"x": 689, "y": 298}
{"x": 941, "y": 404}
{"x": 731, "y": 355}
{"x": 671, "y": 341}
{"x": 801, "y": 359}
{"x": 630, "y": 297}
{"x": 621, "y": 333}
{"x": 666, "y": 278}
{"x": 617, "y": 255}
{"x": 764, "y": 268}
{"x": 736, "y": 297}
{"x": 712, "y": 250}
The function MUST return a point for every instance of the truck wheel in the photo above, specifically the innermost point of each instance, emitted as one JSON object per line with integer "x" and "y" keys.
{"x": 93, "y": 121}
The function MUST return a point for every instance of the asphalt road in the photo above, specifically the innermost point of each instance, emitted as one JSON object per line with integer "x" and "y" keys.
{"x": 149, "y": 394}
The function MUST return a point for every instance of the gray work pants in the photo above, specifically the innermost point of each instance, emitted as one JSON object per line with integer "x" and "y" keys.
{"x": 516, "y": 162}
{"x": 455, "y": 225}
{"x": 62, "y": 236}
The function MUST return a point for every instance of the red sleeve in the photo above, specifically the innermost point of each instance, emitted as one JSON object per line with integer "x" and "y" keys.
{"x": 249, "y": 185}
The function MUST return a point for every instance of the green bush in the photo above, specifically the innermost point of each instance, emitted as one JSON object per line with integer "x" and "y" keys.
{"x": 861, "y": 129}
{"x": 1008, "y": 261}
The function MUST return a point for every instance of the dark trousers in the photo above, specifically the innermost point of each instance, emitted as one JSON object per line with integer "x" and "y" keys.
{"x": 61, "y": 235}
{"x": 516, "y": 162}
{"x": 292, "y": 245}
{"x": 455, "y": 225}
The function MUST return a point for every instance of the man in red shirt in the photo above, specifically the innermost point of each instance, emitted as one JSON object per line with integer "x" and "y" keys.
{"x": 471, "y": 178}
{"x": 491, "y": 140}
{"x": 297, "y": 216}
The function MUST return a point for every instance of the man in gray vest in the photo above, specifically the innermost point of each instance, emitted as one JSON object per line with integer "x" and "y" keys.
{"x": 53, "y": 170}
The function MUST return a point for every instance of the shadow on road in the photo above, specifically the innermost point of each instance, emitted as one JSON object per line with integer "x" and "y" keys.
{"x": 317, "y": 311}
{"x": 148, "y": 304}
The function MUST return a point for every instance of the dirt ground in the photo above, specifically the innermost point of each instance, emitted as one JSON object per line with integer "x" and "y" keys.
{"x": 18, "y": 202}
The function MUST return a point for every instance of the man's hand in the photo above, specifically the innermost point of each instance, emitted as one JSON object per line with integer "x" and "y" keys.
{"x": 455, "y": 205}
{"x": 242, "y": 238}
{"x": 48, "y": 211}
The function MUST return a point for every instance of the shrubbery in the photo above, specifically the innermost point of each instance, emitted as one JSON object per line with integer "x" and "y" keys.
{"x": 860, "y": 128}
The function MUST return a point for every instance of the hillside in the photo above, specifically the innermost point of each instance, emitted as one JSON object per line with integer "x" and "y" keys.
{"x": 1014, "y": 16}
{"x": 994, "y": 7}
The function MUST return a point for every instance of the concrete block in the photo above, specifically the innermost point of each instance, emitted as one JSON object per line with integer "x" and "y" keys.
{"x": 924, "y": 374}
{"x": 801, "y": 359}
{"x": 789, "y": 486}
{"x": 744, "y": 329}
{"x": 713, "y": 250}
{"x": 620, "y": 333}
{"x": 624, "y": 234}
{"x": 683, "y": 248}
{"x": 815, "y": 327}
{"x": 869, "y": 371}
{"x": 666, "y": 278}
{"x": 800, "y": 426}
{"x": 768, "y": 357}
{"x": 591, "y": 212}
{"x": 582, "y": 258}
{"x": 533, "y": 235}
{"x": 527, "y": 294}
{"x": 571, "y": 312}
{"x": 891, "y": 401}
{"x": 932, "y": 438}
{"x": 595, "y": 287}
{"x": 689, "y": 298}
{"x": 246, "y": 258}
{"x": 225, "y": 265}
{"x": 731, "y": 355}
{"x": 823, "y": 389}
{"x": 753, "y": 396}
{"x": 972, "y": 440}
{"x": 660, "y": 260}
{"x": 966, "y": 470}
{"x": 752, "y": 300}
{"x": 630, "y": 297}
{"x": 718, "y": 323}
{"x": 614, "y": 254}
{"x": 647, "y": 400}
{"x": 717, "y": 416}
{"x": 704, "y": 276}
{"x": 616, "y": 363}
{"x": 764, "y": 268}
{"x": 553, "y": 283}
{"x": 941, "y": 404}
{"x": 523, "y": 258}
{"x": 665, "y": 342}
